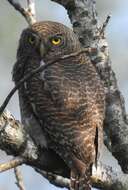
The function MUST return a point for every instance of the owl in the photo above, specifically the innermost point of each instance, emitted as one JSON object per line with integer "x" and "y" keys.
{"x": 63, "y": 106}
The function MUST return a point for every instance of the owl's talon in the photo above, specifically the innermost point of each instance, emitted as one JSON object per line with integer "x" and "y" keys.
{"x": 74, "y": 184}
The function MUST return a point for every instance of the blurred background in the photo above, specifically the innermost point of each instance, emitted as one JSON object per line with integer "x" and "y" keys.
{"x": 11, "y": 25}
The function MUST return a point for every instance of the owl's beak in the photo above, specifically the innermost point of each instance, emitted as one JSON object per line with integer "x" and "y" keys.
{"x": 42, "y": 50}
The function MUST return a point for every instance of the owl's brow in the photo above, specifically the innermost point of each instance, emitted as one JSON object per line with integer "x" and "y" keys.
{"x": 40, "y": 69}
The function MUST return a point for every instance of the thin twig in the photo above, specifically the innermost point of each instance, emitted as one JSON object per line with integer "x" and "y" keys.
{"x": 102, "y": 30}
{"x": 11, "y": 164}
{"x": 29, "y": 13}
{"x": 40, "y": 69}
{"x": 55, "y": 179}
{"x": 19, "y": 178}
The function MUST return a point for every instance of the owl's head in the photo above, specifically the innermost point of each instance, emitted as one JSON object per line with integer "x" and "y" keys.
{"x": 48, "y": 40}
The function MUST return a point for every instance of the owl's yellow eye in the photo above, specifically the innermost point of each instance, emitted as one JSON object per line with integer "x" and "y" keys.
{"x": 31, "y": 40}
{"x": 56, "y": 41}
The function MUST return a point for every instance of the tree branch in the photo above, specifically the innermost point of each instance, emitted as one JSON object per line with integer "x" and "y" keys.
{"x": 19, "y": 178}
{"x": 11, "y": 164}
{"x": 102, "y": 31}
{"x": 83, "y": 17}
{"x": 15, "y": 141}
{"x": 54, "y": 179}
{"x": 107, "y": 178}
{"x": 103, "y": 177}
{"x": 29, "y": 13}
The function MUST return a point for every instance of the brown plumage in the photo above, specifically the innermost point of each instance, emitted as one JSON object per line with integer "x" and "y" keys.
{"x": 66, "y": 101}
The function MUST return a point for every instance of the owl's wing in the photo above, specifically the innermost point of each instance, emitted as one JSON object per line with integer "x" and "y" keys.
{"x": 28, "y": 117}
{"x": 30, "y": 120}
{"x": 51, "y": 160}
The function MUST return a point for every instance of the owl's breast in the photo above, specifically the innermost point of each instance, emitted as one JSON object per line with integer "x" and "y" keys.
{"x": 65, "y": 88}
{"x": 64, "y": 93}
{"x": 72, "y": 99}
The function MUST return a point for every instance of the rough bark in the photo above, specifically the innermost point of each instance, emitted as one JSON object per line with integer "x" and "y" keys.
{"x": 83, "y": 16}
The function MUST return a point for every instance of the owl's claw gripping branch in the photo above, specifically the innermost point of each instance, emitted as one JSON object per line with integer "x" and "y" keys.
{"x": 29, "y": 13}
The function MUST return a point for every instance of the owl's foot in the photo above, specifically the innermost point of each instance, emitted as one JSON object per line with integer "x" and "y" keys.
{"x": 74, "y": 181}
{"x": 79, "y": 182}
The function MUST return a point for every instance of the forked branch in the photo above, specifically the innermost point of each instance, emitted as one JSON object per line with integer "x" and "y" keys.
{"x": 28, "y": 13}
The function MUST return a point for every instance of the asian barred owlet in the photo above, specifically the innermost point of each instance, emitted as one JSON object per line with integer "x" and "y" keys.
{"x": 62, "y": 107}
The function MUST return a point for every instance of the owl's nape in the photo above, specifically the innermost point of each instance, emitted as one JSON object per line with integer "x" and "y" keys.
{"x": 63, "y": 106}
